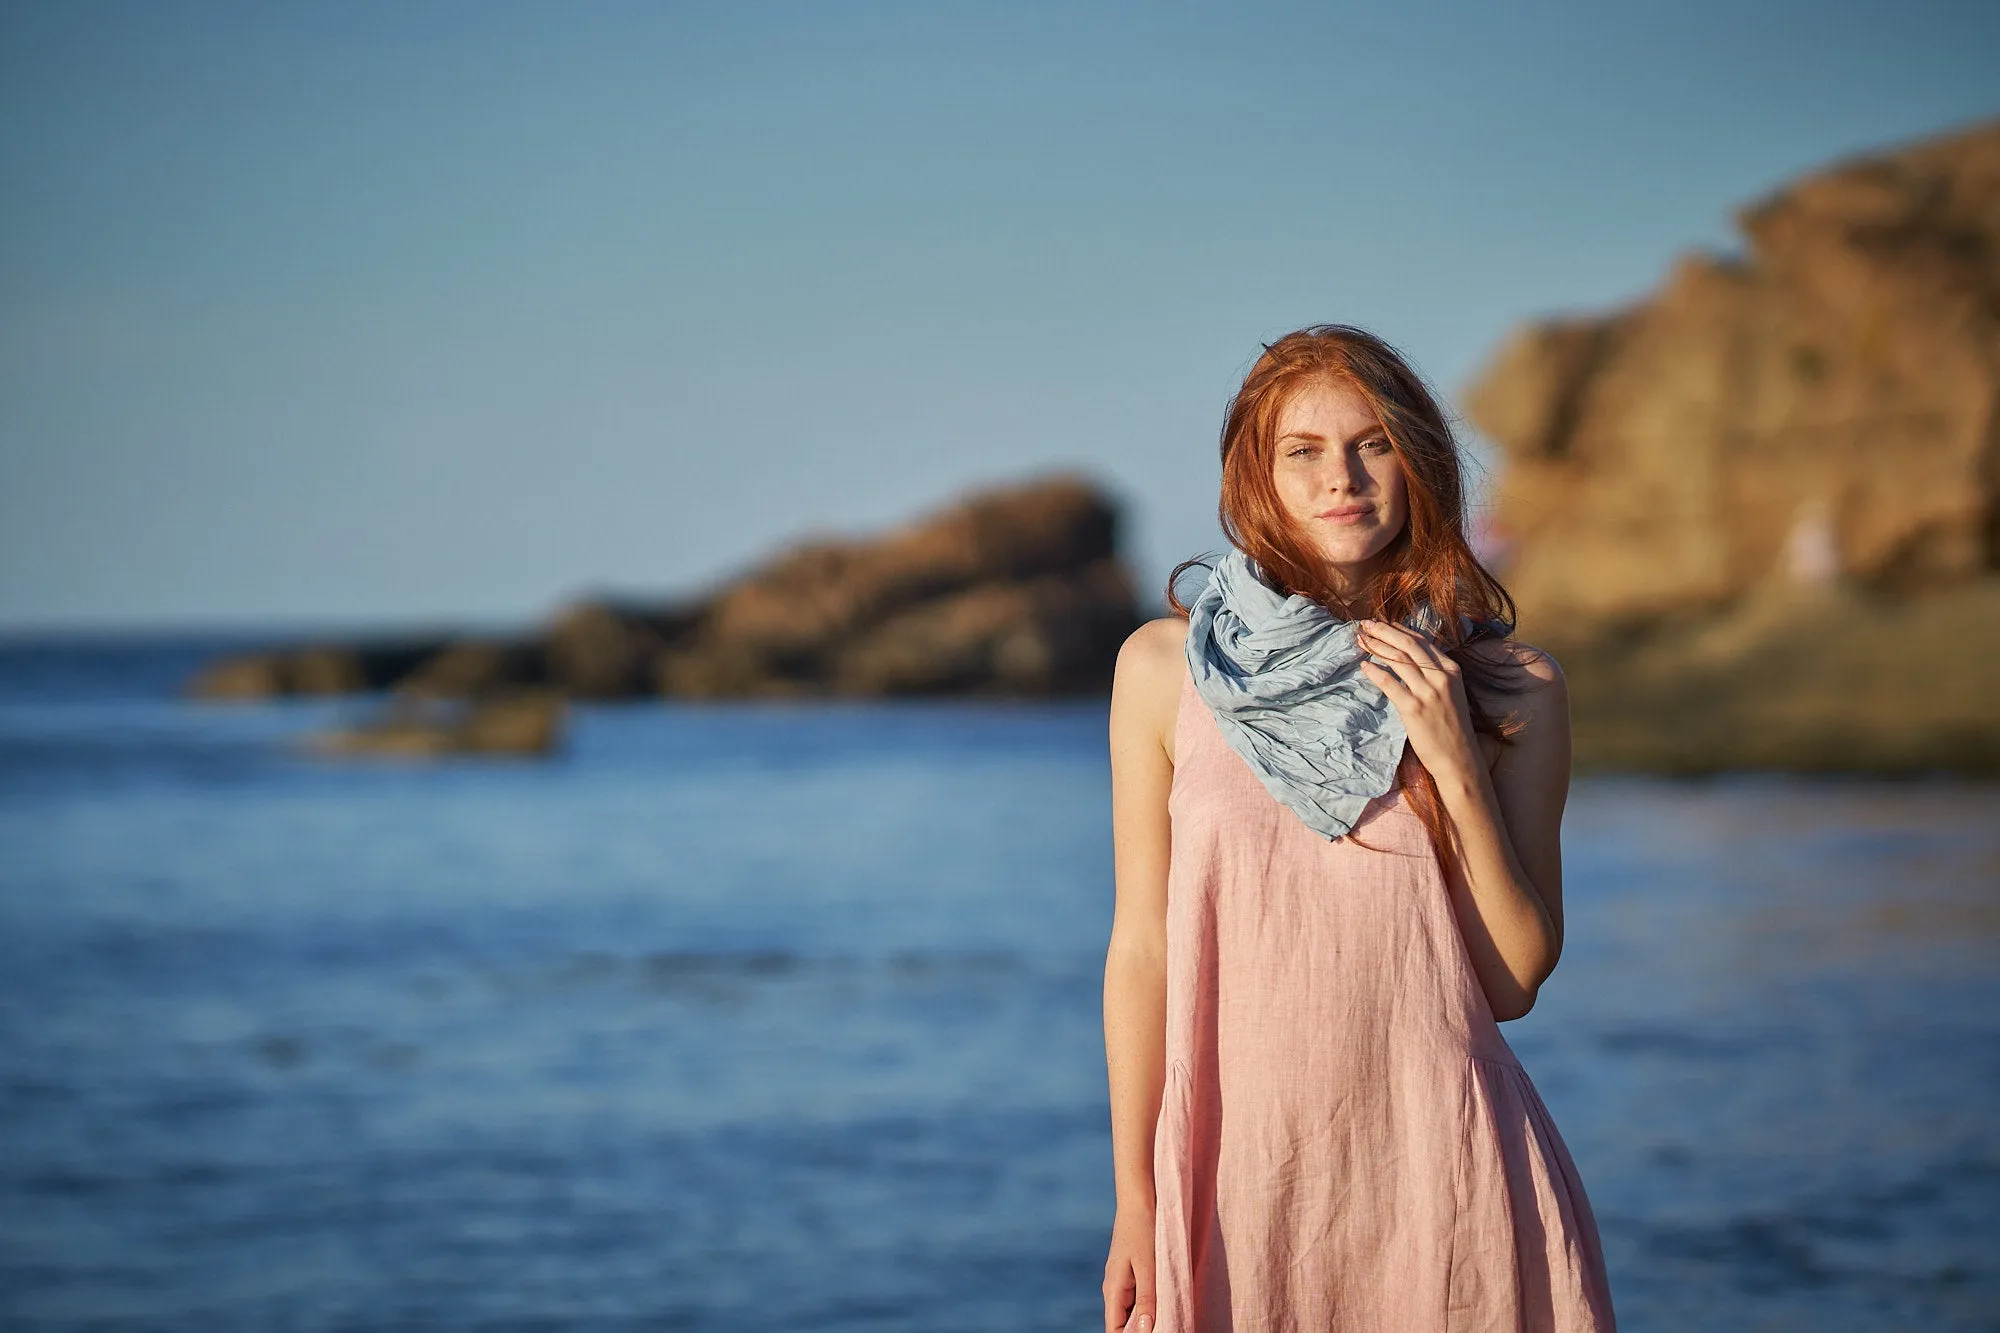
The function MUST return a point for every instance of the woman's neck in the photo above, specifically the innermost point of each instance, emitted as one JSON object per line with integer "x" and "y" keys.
{"x": 1350, "y": 583}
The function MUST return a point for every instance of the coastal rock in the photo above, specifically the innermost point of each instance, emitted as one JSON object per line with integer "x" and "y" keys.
{"x": 516, "y": 723}
{"x": 1045, "y": 635}
{"x": 1017, "y": 591}
{"x": 599, "y": 650}
{"x": 1757, "y": 515}
{"x": 313, "y": 669}
{"x": 1013, "y": 591}
{"x": 1796, "y": 677}
{"x": 475, "y": 666}
{"x": 1657, "y": 457}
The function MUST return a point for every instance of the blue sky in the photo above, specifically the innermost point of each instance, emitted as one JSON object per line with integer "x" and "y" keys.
{"x": 445, "y": 312}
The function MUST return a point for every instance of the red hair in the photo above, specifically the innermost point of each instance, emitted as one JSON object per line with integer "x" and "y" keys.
{"x": 1429, "y": 561}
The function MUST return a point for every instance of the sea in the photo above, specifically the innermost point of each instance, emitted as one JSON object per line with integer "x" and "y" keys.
{"x": 763, "y": 1016}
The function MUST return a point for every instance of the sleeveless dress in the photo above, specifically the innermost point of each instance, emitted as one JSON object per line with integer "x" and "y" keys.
{"x": 1345, "y": 1140}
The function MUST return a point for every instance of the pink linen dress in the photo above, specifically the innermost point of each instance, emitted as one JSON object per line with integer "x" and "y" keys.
{"x": 1345, "y": 1140}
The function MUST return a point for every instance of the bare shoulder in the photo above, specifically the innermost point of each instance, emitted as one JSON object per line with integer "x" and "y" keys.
{"x": 1155, "y": 651}
{"x": 1523, "y": 669}
{"x": 1530, "y": 696}
{"x": 1163, "y": 637}
{"x": 1146, "y": 683}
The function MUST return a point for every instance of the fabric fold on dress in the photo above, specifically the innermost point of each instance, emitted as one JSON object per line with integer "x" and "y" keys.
{"x": 1523, "y": 1193}
{"x": 1283, "y": 676}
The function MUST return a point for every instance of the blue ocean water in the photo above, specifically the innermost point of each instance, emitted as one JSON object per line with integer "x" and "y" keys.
{"x": 786, "y": 1016}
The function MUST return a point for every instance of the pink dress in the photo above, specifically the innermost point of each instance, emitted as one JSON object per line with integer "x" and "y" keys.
{"x": 1345, "y": 1140}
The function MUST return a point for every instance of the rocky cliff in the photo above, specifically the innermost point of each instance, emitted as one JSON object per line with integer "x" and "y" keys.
{"x": 1762, "y": 502}
{"x": 1015, "y": 591}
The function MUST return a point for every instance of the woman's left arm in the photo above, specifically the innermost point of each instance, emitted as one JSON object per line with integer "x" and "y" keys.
{"x": 1508, "y": 820}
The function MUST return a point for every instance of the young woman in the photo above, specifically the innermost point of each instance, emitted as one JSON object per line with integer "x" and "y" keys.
{"x": 1337, "y": 790}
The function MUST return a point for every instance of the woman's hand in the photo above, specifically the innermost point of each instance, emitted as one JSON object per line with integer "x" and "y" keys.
{"x": 1424, "y": 684}
{"x": 1129, "y": 1305}
{"x": 1508, "y": 892}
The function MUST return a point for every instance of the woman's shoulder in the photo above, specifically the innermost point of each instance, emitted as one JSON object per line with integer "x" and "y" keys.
{"x": 1154, "y": 655}
{"x": 1146, "y": 687}
{"x": 1523, "y": 663}
{"x": 1524, "y": 680}
{"x": 1162, "y": 638}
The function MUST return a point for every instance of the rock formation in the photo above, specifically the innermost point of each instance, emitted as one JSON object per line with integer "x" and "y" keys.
{"x": 1011, "y": 592}
{"x": 1017, "y": 591}
{"x": 327, "y": 668}
{"x": 1782, "y": 458}
{"x": 1657, "y": 457}
{"x": 515, "y": 723}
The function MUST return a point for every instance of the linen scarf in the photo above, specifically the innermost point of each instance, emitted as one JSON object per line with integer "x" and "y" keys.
{"x": 1282, "y": 675}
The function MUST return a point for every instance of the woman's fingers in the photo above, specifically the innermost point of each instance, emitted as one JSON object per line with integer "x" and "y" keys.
{"x": 1145, "y": 1309}
{"x": 1390, "y": 683}
{"x": 1421, "y": 667}
{"x": 1129, "y": 1298}
{"x": 1396, "y": 665}
{"x": 1412, "y": 646}
{"x": 1120, "y": 1294}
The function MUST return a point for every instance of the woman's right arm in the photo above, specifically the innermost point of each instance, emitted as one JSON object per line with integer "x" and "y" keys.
{"x": 1145, "y": 695}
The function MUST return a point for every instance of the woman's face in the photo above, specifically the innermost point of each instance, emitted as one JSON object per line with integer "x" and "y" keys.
{"x": 1339, "y": 478}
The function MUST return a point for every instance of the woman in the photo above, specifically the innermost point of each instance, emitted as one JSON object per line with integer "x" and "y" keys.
{"x": 1338, "y": 787}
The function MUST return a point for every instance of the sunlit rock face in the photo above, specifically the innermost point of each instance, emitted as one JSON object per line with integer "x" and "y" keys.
{"x": 1755, "y": 513}
{"x": 1847, "y": 365}
{"x": 1015, "y": 591}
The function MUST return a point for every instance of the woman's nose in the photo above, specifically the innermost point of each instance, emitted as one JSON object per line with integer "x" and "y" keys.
{"x": 1340, "y": 473}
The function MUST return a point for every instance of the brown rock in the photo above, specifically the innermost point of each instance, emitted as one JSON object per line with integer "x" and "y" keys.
{"x": 1656, "y": 458}
{"x": 473, "y": 667}
{"x": 517, "y": 723}
{"x": 1796, "y": 677}
{"x": 820, "y": 591}
{"x": 312, "y": 669}
{"x": 1757, "y": 516}
{"x": 1043, "y": 636}
{"x": 1016, "y": 591}
{"x": 255, "y": 676}
{"x": 594, "y": 650}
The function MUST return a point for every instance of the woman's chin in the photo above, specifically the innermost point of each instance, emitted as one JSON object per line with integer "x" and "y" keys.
{"x": 1350, "y": 557}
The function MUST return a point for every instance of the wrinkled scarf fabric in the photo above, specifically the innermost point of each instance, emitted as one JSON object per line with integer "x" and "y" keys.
{"x": 1283, "y": 677}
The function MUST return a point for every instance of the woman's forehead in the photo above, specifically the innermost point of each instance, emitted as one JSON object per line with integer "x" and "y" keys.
{"x": 1325, "y": 407}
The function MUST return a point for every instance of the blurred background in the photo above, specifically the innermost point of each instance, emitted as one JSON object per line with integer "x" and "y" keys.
{"x": 559, "y": 568}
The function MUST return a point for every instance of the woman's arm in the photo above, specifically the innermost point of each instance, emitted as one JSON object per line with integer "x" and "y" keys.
{"x": 1145, "y": 697}
{"x": 1508, "y": 820}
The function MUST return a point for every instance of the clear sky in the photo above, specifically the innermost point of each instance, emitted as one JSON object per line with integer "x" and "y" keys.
{"x": 359, "y": 313}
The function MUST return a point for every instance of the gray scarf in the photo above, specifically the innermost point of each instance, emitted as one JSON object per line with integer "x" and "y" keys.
{"x": 1282, "y": 674}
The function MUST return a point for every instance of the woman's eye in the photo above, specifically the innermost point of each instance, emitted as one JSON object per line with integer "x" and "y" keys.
{"x": 1379, "y": 445}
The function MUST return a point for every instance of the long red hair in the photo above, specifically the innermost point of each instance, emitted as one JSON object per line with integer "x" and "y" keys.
{"x": 1429, "y": 561}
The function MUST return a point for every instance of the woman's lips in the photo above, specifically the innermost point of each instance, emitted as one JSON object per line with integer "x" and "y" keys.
{"x": 1346, "y": 514}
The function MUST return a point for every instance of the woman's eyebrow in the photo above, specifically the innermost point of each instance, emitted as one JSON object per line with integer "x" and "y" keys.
{"x": 1361, "y": 434}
